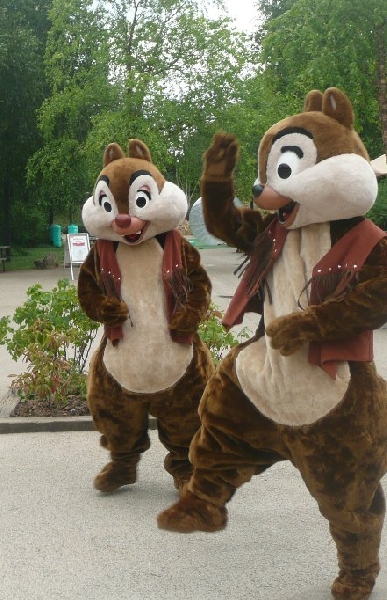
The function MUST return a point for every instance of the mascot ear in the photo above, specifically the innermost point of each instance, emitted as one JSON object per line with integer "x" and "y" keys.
{"x": 137, "y": 149}
{"x": 338, "y": 106}
{"x": 112, "y": 152}
{"x": 313, "y": 101}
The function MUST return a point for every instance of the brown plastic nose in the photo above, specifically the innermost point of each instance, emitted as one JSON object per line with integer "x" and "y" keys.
{"x": 269, "y": 199}
{"x": 122, "y": 220}
{"x": 257, "y": 189}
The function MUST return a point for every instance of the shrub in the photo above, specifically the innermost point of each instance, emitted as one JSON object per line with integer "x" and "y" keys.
{"x": 53, "y": 336}
{"x": 218, "y": 340}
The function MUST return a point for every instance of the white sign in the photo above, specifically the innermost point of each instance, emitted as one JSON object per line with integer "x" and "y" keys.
{"x": 77, "y": 248}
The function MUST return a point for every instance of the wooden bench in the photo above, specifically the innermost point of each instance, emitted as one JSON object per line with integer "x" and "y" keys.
{"x": 5, "y": 255}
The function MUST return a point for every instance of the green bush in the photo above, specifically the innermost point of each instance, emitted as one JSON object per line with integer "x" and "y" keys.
{"x": 53, "y": 336}
{"x": 218, "y": 340}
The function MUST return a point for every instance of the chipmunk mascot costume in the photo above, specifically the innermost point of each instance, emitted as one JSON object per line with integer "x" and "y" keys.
{"x": 144, "y": 282}
{"x": 305, "y": 387}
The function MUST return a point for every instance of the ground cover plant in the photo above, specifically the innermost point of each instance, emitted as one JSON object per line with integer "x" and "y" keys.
{"x": 51, "y": 334}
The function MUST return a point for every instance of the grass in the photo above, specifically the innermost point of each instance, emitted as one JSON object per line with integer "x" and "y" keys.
{"x": 24, "y": 258}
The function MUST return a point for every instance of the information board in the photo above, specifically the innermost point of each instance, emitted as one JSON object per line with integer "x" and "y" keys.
{"x": 76, "y": 249}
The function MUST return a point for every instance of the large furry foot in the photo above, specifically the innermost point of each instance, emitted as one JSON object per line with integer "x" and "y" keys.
{"x": 114, "y": 475}
{"x": 193, "y": 514}
{"x": 354, "y": 585}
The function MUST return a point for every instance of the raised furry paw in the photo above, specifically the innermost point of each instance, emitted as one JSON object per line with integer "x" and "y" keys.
{"x": 113, "y": 312}
{"x": 289, "y": 333}
{"x": 221, "y": 157}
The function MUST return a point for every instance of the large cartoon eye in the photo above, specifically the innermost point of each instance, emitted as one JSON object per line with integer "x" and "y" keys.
{"x": 289, "y": 161}
{"x": 284, "y": 171}
{"x": 104, "y": 202}
{"x": 143, "y": 197}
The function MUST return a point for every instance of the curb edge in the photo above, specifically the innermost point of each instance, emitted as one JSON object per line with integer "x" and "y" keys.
{"x": 51, "y": 424}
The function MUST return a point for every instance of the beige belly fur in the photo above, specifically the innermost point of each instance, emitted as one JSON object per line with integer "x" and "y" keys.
{"x": 145, "y": 360}
{"x": 287, "y": 389}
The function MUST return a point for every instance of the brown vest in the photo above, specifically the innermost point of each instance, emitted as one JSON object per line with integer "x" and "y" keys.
{"x": 176, "y": 283}
{"x": 332, "y": 277}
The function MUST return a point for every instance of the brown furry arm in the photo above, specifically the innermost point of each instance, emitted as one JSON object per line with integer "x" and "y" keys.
{"x": 94, "y": 300}
{"x": 188, "y": 316}
{"x": 361, "y": 309}
{"x": 223, "y": 219}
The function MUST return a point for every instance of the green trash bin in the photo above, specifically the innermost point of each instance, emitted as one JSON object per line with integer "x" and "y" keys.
{"x": 51, "y": 232}
{"x": 56, "y": 232}
{"x": 72, "y": 229}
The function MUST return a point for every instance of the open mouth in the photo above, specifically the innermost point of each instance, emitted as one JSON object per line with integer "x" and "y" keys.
{"x": 285, "y": 211}
{"x": 134, "y": 238}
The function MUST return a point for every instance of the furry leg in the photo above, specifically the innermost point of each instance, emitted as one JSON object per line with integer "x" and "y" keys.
{"x": 123, "y": 423}
{"x": 178, "y": 417}
{"x": 225, "y": 453}
{"x": 358, "y": 554}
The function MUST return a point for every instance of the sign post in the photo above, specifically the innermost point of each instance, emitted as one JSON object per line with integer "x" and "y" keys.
{"x": 76, "y": 249}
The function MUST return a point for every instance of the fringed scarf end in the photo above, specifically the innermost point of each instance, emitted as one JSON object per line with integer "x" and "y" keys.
{"x": 333, "y": 285}
{"x": 179, "y": 284}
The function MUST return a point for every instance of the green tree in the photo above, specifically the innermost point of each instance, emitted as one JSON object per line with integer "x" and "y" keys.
{"x": 154, "y": 69}
{"x": 77, "y": 69}
{"x": 319, "y": 43}
{"x": 24, "y": 25}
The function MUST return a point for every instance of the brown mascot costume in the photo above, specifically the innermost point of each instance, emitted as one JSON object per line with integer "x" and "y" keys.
{"x": 144, "y": 282}
{"x": 305, "y": 387}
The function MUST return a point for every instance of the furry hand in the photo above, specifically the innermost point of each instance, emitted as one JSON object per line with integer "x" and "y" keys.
{"x": 113, "y": 312}
{"x": 185, "y": 321}
{"x": 291, "y": 332}
{"x": 220, "y": 158}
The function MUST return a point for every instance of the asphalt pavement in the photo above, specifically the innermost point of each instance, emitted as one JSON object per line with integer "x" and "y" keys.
{"x": 61, "y": 539}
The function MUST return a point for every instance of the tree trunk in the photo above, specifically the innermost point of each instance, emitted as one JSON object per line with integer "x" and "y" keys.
{"x": 381, "y": 34}
{"x": 6, "y": 225}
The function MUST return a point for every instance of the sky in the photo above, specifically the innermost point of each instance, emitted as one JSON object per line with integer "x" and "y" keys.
{"x": 243, "y": 12}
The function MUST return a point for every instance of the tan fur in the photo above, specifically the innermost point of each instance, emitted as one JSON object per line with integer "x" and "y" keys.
{"x": 147, "y": 331}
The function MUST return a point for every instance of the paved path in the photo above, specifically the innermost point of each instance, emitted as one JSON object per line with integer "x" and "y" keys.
{"x": 63, "y": 540}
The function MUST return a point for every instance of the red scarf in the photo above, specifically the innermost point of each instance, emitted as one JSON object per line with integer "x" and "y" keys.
{"x": 176, "y": 282}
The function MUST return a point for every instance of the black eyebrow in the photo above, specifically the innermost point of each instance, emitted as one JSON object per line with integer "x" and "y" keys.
{"x": 104, "y": 178}
{"x": 137, "y": 174}
{"x": 288, "y": 130}
{"x": 296, "y": 149}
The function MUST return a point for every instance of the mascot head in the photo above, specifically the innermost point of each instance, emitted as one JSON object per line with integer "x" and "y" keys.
{"x": 131, "y": 201}
{"x": 313, "y": 167}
